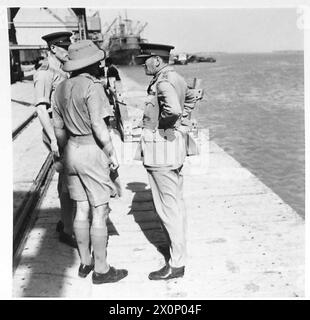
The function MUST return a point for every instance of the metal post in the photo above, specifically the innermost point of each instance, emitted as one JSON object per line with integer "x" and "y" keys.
{"x": 82, "y": 22}
{"x": 16, "y": 71}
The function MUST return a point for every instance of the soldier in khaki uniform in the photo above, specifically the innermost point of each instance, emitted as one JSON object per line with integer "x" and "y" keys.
{"x": 172, "y": 103}
{"x": 81, "y": 106}
{"x": 46, "y": 79}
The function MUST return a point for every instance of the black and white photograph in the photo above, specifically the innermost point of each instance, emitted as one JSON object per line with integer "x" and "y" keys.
{"x": 155, "y": 152}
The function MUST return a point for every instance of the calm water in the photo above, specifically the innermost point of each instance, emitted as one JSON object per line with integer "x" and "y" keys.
{"x": 255, "y": 112}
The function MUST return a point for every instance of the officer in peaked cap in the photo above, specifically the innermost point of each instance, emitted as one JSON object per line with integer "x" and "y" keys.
{"x": 61, "y": 39}
{"x": 154, "y": 49}
{"x": 171, "y": 103}
{"x": 47, "y": 77}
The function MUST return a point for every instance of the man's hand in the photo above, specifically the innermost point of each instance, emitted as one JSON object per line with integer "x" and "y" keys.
{"x": 58, "y": 165}
{"x": 54, "y": 148}
{"x": 114, "y": 163}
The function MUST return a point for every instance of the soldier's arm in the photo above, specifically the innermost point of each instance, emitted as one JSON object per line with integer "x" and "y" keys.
{"x": 169, "y": 102}
{"x": 96, "y": 99}
{"x": 43, "y": 88}
{"x": 189, "y": 104}
{"x": 59, "y": 128}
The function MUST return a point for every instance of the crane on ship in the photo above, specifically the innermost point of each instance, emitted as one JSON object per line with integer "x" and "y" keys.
{"x": 107, "y": 32}
{"x": 142, "y": 28}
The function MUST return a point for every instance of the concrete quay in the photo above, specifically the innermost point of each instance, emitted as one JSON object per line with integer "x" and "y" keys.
{"x": 29, "y": 153}
{"x": 243, "y": 240}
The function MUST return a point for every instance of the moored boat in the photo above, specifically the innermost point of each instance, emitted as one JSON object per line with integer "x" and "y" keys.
{"x": 124, "y": 42}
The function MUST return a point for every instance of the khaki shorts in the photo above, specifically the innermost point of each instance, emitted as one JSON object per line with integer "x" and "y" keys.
{"x": 87, "y": 167}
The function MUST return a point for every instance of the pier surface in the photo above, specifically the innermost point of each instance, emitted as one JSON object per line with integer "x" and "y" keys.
{"x": 243, "y": 240}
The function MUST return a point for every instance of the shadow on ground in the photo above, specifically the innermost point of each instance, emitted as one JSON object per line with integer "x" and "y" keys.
{"x": 144, "y": 213}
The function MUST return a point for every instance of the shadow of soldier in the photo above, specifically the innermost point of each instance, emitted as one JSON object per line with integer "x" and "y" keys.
{"x": 145, "y": 215}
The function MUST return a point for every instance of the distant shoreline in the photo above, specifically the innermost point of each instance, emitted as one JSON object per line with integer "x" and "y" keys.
{"x": 210, "y": 53}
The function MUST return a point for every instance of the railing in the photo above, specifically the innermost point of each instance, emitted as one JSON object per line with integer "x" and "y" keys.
{"x": 21, "y": 127}
{"x": 25, "y": 215}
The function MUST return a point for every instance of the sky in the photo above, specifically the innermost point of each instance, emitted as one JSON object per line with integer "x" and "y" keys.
{"x": 228, "y": 30}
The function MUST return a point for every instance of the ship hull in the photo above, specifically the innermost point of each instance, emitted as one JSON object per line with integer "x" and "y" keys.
{"x": 124, "y": 56}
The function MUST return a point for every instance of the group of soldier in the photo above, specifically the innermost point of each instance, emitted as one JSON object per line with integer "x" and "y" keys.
{"x": 73, "y": 109}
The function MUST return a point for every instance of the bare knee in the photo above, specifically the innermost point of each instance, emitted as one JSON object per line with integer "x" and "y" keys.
{"x": 100, "y": 214}
{"x": 82, "y": 210}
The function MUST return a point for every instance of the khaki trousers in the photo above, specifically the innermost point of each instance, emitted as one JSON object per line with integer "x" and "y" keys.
{"x": 167, "y": 191}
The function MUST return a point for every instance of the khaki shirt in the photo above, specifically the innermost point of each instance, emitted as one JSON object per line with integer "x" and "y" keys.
{"x": 170, "y": 103}
{"x": 46, "y": 79}
{"x": 79, "y": 102}
{"x": 175, "y": 99}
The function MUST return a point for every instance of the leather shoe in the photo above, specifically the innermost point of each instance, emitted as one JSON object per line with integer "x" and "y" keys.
{"x": 113, "y": 275}
{"x": 167, "y": 272}
{"x": 85, "y": 269}
{"x": 67, "y": 239}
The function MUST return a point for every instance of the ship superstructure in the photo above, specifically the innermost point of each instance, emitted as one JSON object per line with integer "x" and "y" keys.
{"x": 123, "y": 41}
